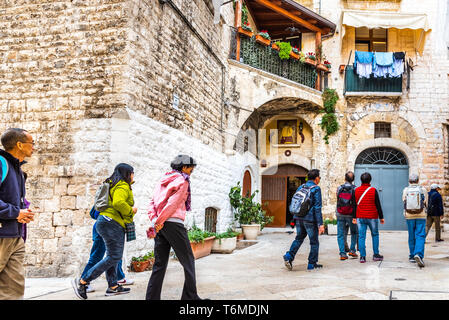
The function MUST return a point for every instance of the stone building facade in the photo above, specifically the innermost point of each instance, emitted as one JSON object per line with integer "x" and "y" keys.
{"x": 140, "y": 81}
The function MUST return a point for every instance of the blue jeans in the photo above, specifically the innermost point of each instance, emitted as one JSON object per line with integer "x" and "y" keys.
{"x": 373, "y": 225}
{"x": 114, "y": 238}
{"x": 342, "y": 222}
{"x": 96, "y": 255}
{"x": 416, "y": 237}
{"x": 304, "y": 229}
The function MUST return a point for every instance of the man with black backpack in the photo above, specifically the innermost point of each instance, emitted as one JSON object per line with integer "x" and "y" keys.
{"x": 306, "y": 209}
{"x": 346, "y": 211}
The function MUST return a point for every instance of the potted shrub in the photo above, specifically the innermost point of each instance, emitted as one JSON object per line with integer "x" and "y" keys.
{"x": 225, "y": 242}
{"x": 331, "y": 226}
{"x": 201, "y": 242}
{"x": 310, "y": 58}
{"x": 247, "y": 212}
{"x": 263, "y": 38}
{"x": 284, "y": 49}
{"x": 142, "y": 263}
{"x": 246, "y": 29}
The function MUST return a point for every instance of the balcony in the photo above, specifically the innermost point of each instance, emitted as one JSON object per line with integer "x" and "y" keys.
{"x": 355, "y": 86}
{"x": 267, "y": 59}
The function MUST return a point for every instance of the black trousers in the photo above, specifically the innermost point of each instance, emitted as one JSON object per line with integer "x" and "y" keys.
{"x": 172, "y": 235}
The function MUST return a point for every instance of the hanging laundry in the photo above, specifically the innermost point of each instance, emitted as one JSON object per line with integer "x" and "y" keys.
{"x": 363, "y": 63}
{"x": 398, "y": 64}
{"x": 383, "y": 64}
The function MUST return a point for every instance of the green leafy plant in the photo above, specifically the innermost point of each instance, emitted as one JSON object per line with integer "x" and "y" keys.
{"x": 195, "y": 234}
{"x": 330, "y": 221}
{"x": 329, "y": 121}
{"x": 144, "y": 257}
{"x": 284, "y": 49}
{"x": 264, "y": 34}
{"x": 228, "y": 234}
{"x": 246, "y": 211}
{"x": 246, "y": 26}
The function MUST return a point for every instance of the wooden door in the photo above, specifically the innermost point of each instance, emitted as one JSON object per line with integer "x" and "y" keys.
{"x": 274, "y": 193}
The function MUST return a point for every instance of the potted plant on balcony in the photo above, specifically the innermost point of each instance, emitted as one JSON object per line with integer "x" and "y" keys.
{"x": 310, "y": 58}
{"x": 247, "y": 212}
{"x": 324, "y": 66}
{"x": 201, "y": 241}
{"x": 295, "y": 53}
{"x": 246, "y": 29}
{"x": 284, "y": 49}
{"x": 225, "y": 242}
{"x": 263, "y": 38}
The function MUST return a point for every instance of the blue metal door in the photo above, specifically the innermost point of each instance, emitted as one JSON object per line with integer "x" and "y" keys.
{"x": 389, "y": 178}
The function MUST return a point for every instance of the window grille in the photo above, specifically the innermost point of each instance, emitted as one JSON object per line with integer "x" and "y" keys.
{"x": 382, "y": 155}
{"x": 210, "y": 222}
{"x": 382, "y": 130}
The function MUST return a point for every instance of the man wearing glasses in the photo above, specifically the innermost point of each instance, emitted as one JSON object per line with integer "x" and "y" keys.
{"x": 18, "y": 144}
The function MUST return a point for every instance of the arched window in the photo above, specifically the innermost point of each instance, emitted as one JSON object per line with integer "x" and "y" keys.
{"x": 210, "y": 221}
{"x": 381, "y": 155}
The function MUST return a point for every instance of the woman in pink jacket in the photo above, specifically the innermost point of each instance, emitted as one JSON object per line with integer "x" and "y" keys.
{"x": 167, "y": 212}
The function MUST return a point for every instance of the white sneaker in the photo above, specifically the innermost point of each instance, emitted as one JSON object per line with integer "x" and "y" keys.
{"x": 89, "y": 288}
{"x": 125, "y": 282}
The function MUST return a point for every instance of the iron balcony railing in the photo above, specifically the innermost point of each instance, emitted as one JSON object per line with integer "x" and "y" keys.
{"x": 354, "y": 85}
{"x": 265, "y": 58}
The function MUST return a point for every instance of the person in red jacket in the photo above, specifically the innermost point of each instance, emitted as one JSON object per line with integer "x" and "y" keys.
{"x": 369, "y": 211}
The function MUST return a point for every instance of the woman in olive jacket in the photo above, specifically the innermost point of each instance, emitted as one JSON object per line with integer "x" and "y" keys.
{"x": 111, "y": 227}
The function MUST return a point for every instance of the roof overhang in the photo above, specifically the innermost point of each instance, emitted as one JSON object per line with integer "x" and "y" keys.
{"x": 276, "y": 15}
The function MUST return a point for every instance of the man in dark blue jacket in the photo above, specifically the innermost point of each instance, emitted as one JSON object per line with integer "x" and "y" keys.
{"x": 310, "y": 225}
{"x": 435, "y": 211}
{"x": 18, "y": 145}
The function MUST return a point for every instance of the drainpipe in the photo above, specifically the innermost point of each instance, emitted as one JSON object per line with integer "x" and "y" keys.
{"x": 209, "y": 49}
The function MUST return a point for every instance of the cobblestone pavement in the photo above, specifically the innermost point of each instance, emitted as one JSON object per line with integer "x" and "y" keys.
{"x": 257, "y": 272}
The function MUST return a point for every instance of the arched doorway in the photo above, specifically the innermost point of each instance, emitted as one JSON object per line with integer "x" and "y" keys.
{"x": 246, "y": 188}
{"x": 278, "y": 186}
{"x": 389, "y": 170}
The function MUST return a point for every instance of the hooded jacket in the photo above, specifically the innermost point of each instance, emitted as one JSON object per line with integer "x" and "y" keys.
{"x": 121, "y": 204}
{"x": 169, "y": 198}
{"x": 12, "y": 195}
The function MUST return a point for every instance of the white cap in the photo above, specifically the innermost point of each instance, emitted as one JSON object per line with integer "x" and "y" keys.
{"x": 434, "y": 186}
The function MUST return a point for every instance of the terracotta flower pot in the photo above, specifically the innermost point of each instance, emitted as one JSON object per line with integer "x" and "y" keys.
{"x": 275, "y": 47}
{"x": 202, "y": 249}
{"x": 245, "y": 32}
{"x": 294, "y": 55}
{"x": 341, "y": 68}
{"x": 310, "y": 61}
{"x": 150, "y": 264}
{"x": 262, "y": 40}
{"x": 139, "y": 266}
{"x": 322, "y": 67}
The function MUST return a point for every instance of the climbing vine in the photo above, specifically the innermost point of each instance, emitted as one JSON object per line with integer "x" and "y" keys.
{"x": 329, "y": 121}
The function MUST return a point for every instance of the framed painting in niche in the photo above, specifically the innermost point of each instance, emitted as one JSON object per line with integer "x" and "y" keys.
{"x": 287, "y": 131}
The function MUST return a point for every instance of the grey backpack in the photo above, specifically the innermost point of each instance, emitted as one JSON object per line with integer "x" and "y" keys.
{"x": 102, "y": 197}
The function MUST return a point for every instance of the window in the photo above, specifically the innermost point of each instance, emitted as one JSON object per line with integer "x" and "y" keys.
{"x": 371, "y": 39}
{"x": 210, "y": 222}
{"x": 382, "y": 130}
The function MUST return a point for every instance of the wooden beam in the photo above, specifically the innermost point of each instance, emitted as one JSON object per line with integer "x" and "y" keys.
{"x": 237, "y": 24}
{"x": 318, "y": 59}
{"x": 289, "y": 15}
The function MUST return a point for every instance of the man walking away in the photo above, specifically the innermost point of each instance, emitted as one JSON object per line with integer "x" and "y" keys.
{"x": 369, "y": 211}
{"x": 18, "y": 145}
{"x": 415, "y": 198}
{"x": 435, "y": 211}
{"x": 346, "y": 212}
{"x": 309, "y": 225}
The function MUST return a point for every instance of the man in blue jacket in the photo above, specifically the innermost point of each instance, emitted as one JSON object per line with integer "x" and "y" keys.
{"x": 18, "y": 145}
{"x": 310, "y": 225}
{"x": 435, "y": 211}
